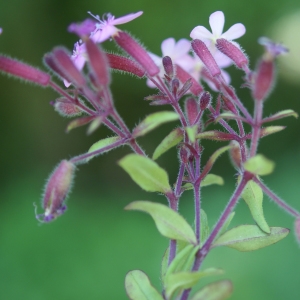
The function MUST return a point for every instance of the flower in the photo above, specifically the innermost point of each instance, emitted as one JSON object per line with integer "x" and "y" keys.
{"x": 106, "y": 28}
{"x": 272, "y": 48}
{"x": 216, "y": 22}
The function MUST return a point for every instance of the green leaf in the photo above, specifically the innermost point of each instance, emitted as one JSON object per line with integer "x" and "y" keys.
{"x": 191, "y": 132}
{"x": 259, "y": 165}
{"x": 95, "y": 124}
{"x": 168, "y": 222}
{"x": 171, "y": 140}
{"x": 270, "y": 130}
{"x": 280, "y": 115}
{"x": 138, "y": 287}
{"x": 215, "y": 135}
{"x": 229, "y": 116}
{"x": 209, "y": 179}
{"x": 204, "y": 232}
{"x": 154, "y": 120}
{"x": 219, "y": 290}
{"x": 250, "y": 237}
{"x": 226, "y": 224}
{"x": 253, "y": 196}
{"x": 186, "y": 280}
{"x": 146, "y": 173}
{"x": 102, "y": 144}
{"x": 79, "y": 122}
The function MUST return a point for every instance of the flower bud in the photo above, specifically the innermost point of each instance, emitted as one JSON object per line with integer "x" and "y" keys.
{"x": 66, "y": 108}
{"x": 168, "y": 66}
{"x": 56, "y": 191}
{"x": 136, "y": 51}
{"x": 204, "y": 100}
{"x": 206, "y": 57}
{"x": 191, "y": 110}
{"x": 235, "y": 154}
{"x": 23, "y": 71}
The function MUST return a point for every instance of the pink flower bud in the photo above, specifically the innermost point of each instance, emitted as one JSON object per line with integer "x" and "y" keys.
{"x": 206, "y": 57}
{"x": 125, "y": 64}
{"x": 66, "y": 108}
{"x": 235, "y": 154}
{"x": 98, "y": 62}
{"x": 233, "y": 52}
{"x": 136, "y": 51}
{"x": 168, "y": 66}
{"x": 263, "y": 79}
{"x": 297, "y": 229}
{"x": 56, "y": 191}
{"x": 191, "y": 109}
{"x": 184, "y": 76}
{"x": 204, "y": 100}
{"x": 23, "y": 71}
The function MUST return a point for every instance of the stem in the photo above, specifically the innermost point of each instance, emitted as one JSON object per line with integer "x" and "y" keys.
{"x": 228, "y": 209}
{"x": 197, "y": 201}
{"x": 179, "y": 180}
{"x": 257, "y": 127}
{"x": 276, "y": 199}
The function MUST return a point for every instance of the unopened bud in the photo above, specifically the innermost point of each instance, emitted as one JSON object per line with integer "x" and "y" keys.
{"x": 191, "y": 110}
{"x": 175, "y": 86}
{"x": 23, "y": 71}
{"x": 168, "y": 66}
{"x": 204, "y": 100}
{"x": 66, "y": 108}
{"x": 206, "y": 57}
{"x": 125, "y": 64}
{"x": 98, "y": 62}
{"x": 233, "y": 52}
{"x": 136, "y": 51}
{"x": 56, "y": 191}
{"x": 235, "y": 154}
{"x": 184, "y": 76}
{"x": 263, "y": 79}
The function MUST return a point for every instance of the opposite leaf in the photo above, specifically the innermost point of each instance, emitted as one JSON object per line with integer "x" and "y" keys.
{"x": 169, "y": 222}
{"x": 259, "y": 165}
{"x": 253, "y": 196}
{"x": 219, "y": 290}
{"x": 186, "y": 280}
{"x": 138, "y": 287}
{"x": 146, "y": 173}
{"x": 250, "y": 237}
{"x": 171, "y": 140}
{"x": 154, "y": 120}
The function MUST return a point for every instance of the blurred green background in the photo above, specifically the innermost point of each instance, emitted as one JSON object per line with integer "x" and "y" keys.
{"x": 86, "y": 253}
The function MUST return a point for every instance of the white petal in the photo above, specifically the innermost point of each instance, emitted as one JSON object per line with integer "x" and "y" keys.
{"x": 167, "y": 46}
{"x": 182, "y": 47}
{"x": 216, "y": 22}
{"x": 234, "y": 32}
{"x": 104, "y": 34}
{"x": 200, "y": 32}
{"x": 226, "y": 76}
{"x": 126, "y": 18}
{"x": 157, "y": 60}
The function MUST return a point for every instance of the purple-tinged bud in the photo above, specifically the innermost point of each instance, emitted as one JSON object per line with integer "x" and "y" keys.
{"x": 184, "y": 154}
{"x": 206, "y": 57}
{"x": 204, "y": 101}
{"x": 125, "y": 64}
{"x": 66, "y": 108}
{"x": 235, "y": 154}
{"x": 175, "y": 86}
{"x": 233, "y": 52}
{"x": 184, "y": 76}
{"x": 191, "y": 110}
{"x": 136, "y": 51}
{"x": 63, "y": 62}
{"x": 98, "y": 62}
{"x": 264, "y": 79}
{"x": 23, "y": 71}
{"x": 168, "y": 66}
{"x": 56, "y": 191}
{"x": 185, "y": 87}
{"x": 229, "y": 105}
{"x": 297, "y": 229}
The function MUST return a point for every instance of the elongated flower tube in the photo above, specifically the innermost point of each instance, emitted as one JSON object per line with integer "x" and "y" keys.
{"x": 23, "y": 71}
{"x": 206, "y": 57}
{"x": 136, "y": 51}
{"x": 56, "y": 191}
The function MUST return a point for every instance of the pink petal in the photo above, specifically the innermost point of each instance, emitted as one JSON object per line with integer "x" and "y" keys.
{"x": 216, "y": 22}
{"x": 234, "y": 32}
{"x": 200, "y": 32}
{"x": 126, "y": 18}
{"x": 167, "y": 46}
{"x": 104, "y": 33}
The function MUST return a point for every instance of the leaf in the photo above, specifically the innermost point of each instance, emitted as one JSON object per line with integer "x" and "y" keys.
{"x": 138, "y": 287}
{"x": 253, "y": 196}
{"x": 154, "y": 120}
{"x": 168, "y": 222}
{"x": 230, "y": 116}
{"x": 171, "y": 140}
{"x": 191, "y": 132}
{"x": 270, "y": 130}
{"x": 186, "y": 280}
{"x": 79, "y": 122}
{"x": 215, "y": 135}
{"x": 219, "y": 290}
{"x": 204, "y": 232}
{"x": 226, "y": 224}
{"x": 102, "y": 144}
{"x": 95, "y": 124}
{"x": 259, "y": 165}
{"x": 280, "y": 115}
{"x": 209, "y": 179}
{"x": 146, "y": 173}
{"x": 250, "y": 237}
